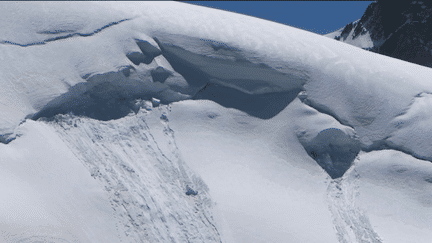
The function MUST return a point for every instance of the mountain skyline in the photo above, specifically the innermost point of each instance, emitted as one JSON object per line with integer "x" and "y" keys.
{"x": 401, "y": 31}
{"x": 321, "y": 17}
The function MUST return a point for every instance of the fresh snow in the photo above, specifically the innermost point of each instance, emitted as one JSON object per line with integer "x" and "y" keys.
{"x": 47, "y": 193}
{"x": 112, "y": 112}
{"x": 396, "y": 191}
{"x": 412, "y": 127}
{"x": 257, "y": 177}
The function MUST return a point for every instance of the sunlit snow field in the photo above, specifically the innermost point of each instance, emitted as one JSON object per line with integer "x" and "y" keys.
{"x": 169, "y": 122}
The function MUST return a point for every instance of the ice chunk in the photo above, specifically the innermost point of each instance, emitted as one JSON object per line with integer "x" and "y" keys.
{"x": 148, "y": 49}
{"x": 190, "y": 191}
{"x": 160, "y": 74}
{"x": 137, "y": 58}
{"x": 155, "y": 102}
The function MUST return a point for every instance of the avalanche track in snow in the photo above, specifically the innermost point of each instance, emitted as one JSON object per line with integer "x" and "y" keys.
{"x": 140, "y": 168}
{"x": 350, "y": 222}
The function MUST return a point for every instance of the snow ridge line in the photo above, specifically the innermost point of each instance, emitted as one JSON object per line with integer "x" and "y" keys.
{"x": 322, "y": 109}
{"x": 350, "y": 223}
{"x": 65, "y": 36}
{"x": 386, "y": 144}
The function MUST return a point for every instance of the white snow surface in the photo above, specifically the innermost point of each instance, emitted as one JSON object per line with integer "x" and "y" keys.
{"x": 77, "y": 178}
{"x": 47, "y": 193}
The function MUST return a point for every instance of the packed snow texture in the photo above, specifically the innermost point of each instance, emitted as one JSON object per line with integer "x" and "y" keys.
{"x": 170, "y": 122}
{"x": 47, "y": 193}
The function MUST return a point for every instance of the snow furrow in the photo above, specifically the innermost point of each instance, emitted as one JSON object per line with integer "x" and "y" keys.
{"x": 351, "y": 223}
{"x": 145, "y": 183}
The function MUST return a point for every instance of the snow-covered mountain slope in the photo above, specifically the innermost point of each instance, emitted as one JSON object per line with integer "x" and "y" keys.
{"x": 397, "y": 30}
{"x": 170, "y": 122}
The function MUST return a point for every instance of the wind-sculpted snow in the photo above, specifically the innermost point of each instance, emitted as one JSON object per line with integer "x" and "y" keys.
{"x": 332, "y": 149}
{"x": 279, "y": 163}
{"x": 228, "y": 54}
{"x": 266, "y": 187}
{"x": 407, "y": 132}
{"x": 234, "y": 72}
{"x": 229, "y": 78}
{"x": 47, "y": 193}
{"x": 56, "y": 20}
{"x": 377, "y": 126}
{"x": 87, "y": 88}
{"x": 264, "y": 106}
{"x": 332, "y": 145}
{"x": 393, "y": 190}
{"x": 62, "y": 37}
{"x": 368, "y": 100}
{"x": 413, "y": 131}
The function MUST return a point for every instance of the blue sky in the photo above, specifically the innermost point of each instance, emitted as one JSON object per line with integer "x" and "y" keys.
{"x": 321, "y": 17}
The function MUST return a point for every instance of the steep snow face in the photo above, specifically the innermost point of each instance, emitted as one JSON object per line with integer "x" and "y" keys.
{"x": 384, "y": 197}
{"x": 47, "y": 193}
{"x": 257, "y": 132}
{"x": 117, "y": 181}
{"x": 137, "y": 162}
{"x": 115, "y": 62}
{"x": 266, "y": 187}
{"x": 368, "y": 102}
{"x": 87, "y": 62}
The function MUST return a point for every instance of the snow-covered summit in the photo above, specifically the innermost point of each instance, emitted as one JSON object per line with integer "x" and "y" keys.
{"x": 277, "y": 131}
{"x": 397, "y": 30}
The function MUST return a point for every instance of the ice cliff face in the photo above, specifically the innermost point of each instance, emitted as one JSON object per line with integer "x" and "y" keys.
{"x": 186, "y": 124}
{"x": 398, "y": 30}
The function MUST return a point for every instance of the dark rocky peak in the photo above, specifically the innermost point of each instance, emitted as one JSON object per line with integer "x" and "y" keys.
{"x": 400, "y": 29}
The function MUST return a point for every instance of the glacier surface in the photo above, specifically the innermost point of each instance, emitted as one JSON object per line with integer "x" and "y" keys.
{"x": 170, "y": 122}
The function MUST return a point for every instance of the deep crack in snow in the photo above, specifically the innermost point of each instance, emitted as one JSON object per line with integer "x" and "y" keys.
{"x": 63, "y": 37}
